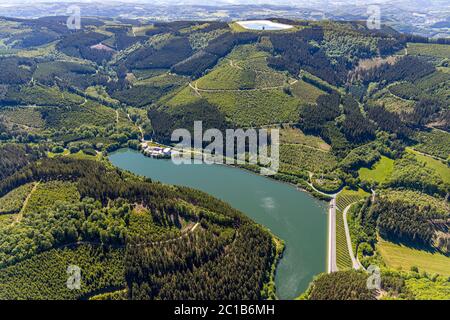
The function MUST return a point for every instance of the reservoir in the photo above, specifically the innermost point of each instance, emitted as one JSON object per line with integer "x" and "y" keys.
{"x": 263, "y": 25}
{"x": 294, "y": 216}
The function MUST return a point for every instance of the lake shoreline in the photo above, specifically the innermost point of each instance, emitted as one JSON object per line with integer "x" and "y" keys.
{"x": 286, "y": 211}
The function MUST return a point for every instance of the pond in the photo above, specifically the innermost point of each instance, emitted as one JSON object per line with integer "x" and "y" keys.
{"x": 294, "y": 216}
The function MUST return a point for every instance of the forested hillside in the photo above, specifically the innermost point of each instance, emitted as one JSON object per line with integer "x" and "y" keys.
{"x": 362, "y": 112}
{"x": 83, "y": 211}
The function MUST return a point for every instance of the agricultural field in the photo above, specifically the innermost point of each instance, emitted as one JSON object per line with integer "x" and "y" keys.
{"x": 404, "y": 258}
{"x": 380, "y": 171}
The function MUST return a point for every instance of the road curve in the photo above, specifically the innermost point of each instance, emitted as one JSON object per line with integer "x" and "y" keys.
{"x": 355, "y": 262}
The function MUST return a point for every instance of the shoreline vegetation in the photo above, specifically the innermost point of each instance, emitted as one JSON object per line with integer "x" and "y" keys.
{"x": 292, "y": 180}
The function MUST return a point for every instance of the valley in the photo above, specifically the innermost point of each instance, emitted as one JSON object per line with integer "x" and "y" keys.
{"x": 363, "y": 116}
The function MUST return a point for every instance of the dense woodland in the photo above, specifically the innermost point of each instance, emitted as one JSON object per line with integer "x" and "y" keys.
{"x": 225, "y": 239}
{"x": 348, "y": 285}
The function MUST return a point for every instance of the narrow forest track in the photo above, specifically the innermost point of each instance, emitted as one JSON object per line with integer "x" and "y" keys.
{"x": 122, "y": 246}
{"x": 233, "y": 65}
{"x": 306, "y": 146}
{"x": 428, "y": 155}
{"x": 198, "y": 90}
{"x": 195, "y": 89}
{"x": 137, "y": 126}
{"x": 19, "y": 216}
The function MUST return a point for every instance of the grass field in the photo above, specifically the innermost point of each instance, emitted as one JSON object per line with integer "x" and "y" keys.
{"x": 52, "y": 154}
{"x": 401, "y": 257}
{"x": 380, "y": 172}
{"x": 428, "y": 49}
{"x": 441, "y": 169}
{"x": 83, "y": 156}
